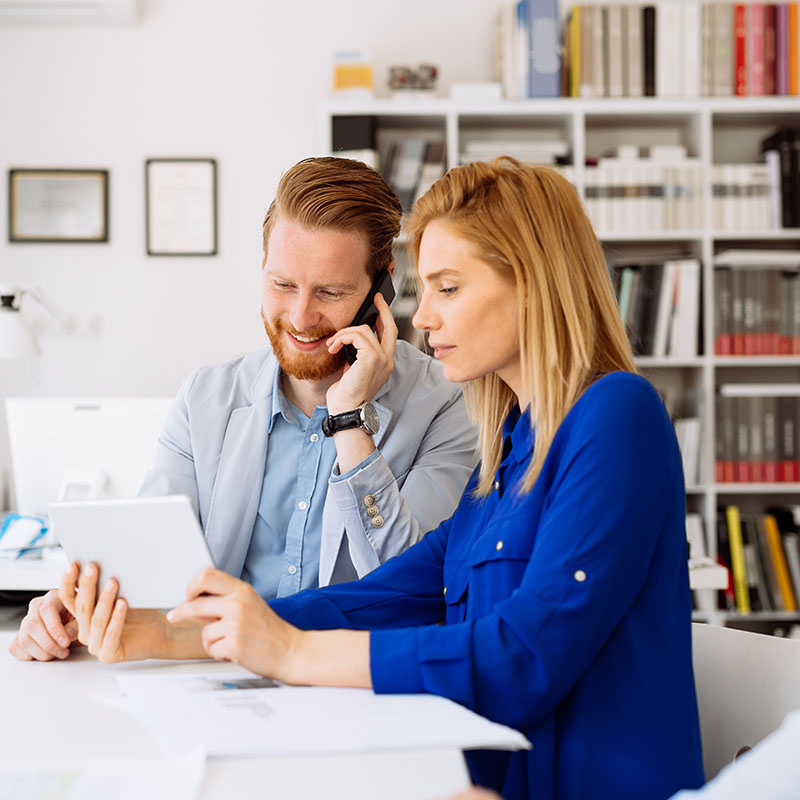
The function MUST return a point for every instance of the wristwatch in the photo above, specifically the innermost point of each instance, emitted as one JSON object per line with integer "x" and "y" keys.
{"x": 365, "y": 417}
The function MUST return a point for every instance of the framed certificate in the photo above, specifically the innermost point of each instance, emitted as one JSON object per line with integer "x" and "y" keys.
{"x": 181, "y": 206}
{"x": 58, "y": 205}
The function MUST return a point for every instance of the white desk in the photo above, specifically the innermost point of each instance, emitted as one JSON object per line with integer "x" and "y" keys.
{"x": 52, "y": 709}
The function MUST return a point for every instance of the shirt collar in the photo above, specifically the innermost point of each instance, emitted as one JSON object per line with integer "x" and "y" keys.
{"x": 517, "y": 428}
{"x": 280, "y": 403}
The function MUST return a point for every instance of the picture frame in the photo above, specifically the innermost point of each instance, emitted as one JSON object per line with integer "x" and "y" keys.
{"x": 58, "y": 205}
{"x": 181, "y": 206}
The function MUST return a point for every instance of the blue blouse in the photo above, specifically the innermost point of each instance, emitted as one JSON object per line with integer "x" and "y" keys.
{"x": 566, "y": 610}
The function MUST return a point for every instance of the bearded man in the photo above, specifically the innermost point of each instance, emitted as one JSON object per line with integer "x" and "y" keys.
{"x": 287, "y": 503}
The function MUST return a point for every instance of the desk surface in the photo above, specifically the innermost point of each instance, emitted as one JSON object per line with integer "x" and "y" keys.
{"x": 55, "y": 710}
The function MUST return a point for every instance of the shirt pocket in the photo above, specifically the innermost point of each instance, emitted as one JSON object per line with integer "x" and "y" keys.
{"x": 455, "y": 590}
{"x": 497, "y": 566}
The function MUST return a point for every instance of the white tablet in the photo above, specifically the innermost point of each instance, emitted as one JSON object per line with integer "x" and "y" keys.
{"x": 152, "y": 545}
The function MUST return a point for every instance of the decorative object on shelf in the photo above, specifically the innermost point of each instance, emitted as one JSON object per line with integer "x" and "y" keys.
{"x": 58, "y": 205}
{"x": 405, "y": 82}
{"x": 181, "y": 206}
{"x": 16, "y": 338}
{"x": 352, "y": 75}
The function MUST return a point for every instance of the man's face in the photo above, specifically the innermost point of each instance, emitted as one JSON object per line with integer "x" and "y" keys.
{"x": 313, "y": 282}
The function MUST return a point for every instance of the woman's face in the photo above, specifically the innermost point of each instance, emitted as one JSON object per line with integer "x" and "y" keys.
{"x": 468, "y": 310}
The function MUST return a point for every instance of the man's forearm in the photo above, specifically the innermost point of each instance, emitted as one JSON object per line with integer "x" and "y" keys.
{"x": 352, "y": 447}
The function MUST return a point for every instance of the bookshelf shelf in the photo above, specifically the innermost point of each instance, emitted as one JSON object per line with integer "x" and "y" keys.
{"x": 736, "y": 489}
{"x": 712, "y": 132}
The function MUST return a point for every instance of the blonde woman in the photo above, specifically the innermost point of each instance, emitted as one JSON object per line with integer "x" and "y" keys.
{"x": 561, "y": 580}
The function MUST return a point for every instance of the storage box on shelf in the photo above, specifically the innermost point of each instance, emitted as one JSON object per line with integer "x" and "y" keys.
{"x": 662, "y": 203}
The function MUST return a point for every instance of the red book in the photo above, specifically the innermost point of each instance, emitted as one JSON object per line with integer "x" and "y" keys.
{"x": 740, "y": 48}
{"x": 792, "y": 48}
{"x": 755, "y": 54}
{"x": 770, "y": 13}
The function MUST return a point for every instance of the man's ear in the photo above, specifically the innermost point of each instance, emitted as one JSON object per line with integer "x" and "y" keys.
{"x": 391, "y": 267}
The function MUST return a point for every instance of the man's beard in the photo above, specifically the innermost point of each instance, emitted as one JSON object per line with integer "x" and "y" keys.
{"x": 304, "y": 366}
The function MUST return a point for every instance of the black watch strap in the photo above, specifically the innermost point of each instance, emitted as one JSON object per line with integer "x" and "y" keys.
{"x": 341, "y": 422}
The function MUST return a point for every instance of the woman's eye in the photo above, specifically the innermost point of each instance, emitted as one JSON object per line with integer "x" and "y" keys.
{"x": 448, "y": 290}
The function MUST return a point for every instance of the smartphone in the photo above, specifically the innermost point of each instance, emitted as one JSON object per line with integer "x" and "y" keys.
{"x": 367, "y": 313}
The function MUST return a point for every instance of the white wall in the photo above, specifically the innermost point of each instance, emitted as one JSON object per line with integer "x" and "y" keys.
{"x": 240, "y": 81}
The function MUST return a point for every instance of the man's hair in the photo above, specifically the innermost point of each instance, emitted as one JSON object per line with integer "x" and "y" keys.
{"x": 342, "y": 195}
{"x": 527, "y": 223}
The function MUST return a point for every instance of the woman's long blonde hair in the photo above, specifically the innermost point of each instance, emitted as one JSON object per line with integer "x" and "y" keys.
{"x": 528, "y": 223}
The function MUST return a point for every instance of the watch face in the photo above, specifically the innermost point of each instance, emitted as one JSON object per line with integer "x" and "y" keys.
{"x": 369, "y": 415}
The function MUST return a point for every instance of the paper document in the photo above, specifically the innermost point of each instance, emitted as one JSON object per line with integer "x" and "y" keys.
{"x": 242, "y": 714}
{"x": 117, "y": 779}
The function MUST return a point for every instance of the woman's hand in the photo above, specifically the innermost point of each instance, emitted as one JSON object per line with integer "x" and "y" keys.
{"x": 113, "y": 632}
{"x": 46, "y": 631}
{"x": 373, "y": 366}
{"x": 240, "y": 627}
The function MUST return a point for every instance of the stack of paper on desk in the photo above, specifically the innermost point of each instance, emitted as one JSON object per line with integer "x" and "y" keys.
{"x": 226, "y": 717}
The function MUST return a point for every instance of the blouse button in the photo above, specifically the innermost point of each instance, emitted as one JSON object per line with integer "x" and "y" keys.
{"x": 579, "y": 575}
{"x": 444, "y": 591}
{"x": 496, "y": 486}
{"x": 499, "y": 545}
{"x": 369, "y": 500}
{"x": 377, "y": 522}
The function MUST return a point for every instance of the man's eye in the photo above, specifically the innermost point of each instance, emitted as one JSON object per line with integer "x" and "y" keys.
{"x": 283, "y": 286}
{"x": 330, "y": 295}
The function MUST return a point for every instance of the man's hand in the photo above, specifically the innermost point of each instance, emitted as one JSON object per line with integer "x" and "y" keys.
{"x": 46, "y": 631}
{"x": 240, "y": 627}
{"x": 113, "y": 632}
{"x": 373, "y": 366}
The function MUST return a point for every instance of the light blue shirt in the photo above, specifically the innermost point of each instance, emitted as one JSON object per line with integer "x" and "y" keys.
{"x": 283, "y": 556}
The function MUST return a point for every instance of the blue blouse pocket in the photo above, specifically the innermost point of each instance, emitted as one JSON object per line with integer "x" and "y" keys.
{"x": 456, "y": 582}
{"x": 497, "y": 567}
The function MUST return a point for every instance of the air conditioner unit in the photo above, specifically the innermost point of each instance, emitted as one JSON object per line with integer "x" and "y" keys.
{"x": 58, "y": 12}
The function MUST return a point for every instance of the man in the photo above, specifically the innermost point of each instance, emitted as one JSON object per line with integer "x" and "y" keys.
{"x": 282, "y": 504}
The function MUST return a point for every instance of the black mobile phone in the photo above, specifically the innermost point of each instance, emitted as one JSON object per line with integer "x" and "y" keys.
{"x": 367, "y": 313}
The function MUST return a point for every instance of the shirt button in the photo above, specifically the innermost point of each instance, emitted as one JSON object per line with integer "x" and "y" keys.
{"x": 292, "y": 569}
{"x": 369, "y": 500}
{"x": 314, "y": 437}
{"x": 302, "y": 505}
{"x": 377, "y": 522}
{"x": 373, "y": 511}
{"x": 579, "y": 575}
{"x": 499, "y": 545}
{"x": 496, "y": 486}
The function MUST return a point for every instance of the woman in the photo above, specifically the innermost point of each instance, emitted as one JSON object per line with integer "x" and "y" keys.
{"x": 561, "y": 579}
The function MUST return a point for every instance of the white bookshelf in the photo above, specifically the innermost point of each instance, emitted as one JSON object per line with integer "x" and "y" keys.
{"x": 713, "y": 130}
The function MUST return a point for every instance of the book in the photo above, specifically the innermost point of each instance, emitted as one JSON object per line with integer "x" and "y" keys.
{"x": 433, "y": 167}
{"x": 707, "y": 23}
{"x": 634, "y": 56}
{"x": 649, "y": 50}
{"x": 770, "y": 52}
{"x": 614, "y": 51}
{"x": 740, "y": 584}
{"x": 740, "y": 49}
{"x": 724, "y": 60}
{"x": 669, "y": 40}
{"x": 545, "y": 54}
{"x": 755, "y": 49}
{"x": 727, "y": 596}
{"x": 787, "y": 594}
{"x": 792, "y": 48}
{"x": 770, "y": 575}
{"x": 691, "y": 45}
{"x": 575, "y": 55}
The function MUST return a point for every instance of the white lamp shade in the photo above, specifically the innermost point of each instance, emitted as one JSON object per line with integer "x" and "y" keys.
{"x": 16, "y": 339}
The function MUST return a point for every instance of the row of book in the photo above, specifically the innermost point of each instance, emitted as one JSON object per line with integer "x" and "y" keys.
{"x": 660, "y": 306}
{"x": 781, "y": 152}
{"x": 757, "y": 433}
{"x": 675, "y": 48}
{"x": 756, "y": 303}
{"x": 411, "y": 166}
{"x": 746, "y": 197}
{"x": 632, "y": 195}
{"x": 761, "y": 553}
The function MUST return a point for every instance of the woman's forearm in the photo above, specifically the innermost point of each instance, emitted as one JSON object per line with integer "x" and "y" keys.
{"x": 329, "y": 658}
